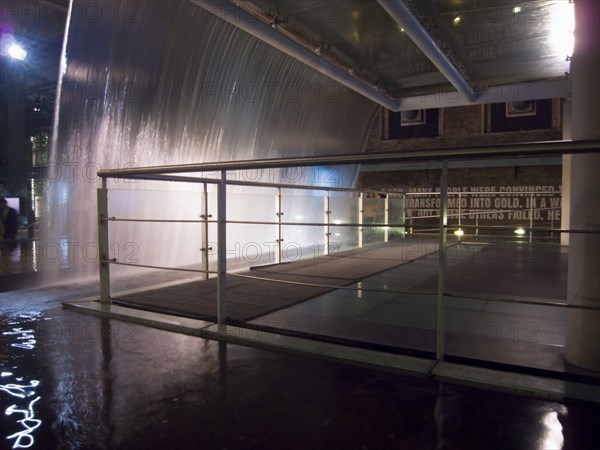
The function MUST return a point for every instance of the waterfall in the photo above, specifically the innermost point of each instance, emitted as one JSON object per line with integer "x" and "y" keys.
{"x": 165, "y": 82}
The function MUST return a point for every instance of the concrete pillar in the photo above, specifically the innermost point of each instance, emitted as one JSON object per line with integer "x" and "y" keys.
{"x": 582, "y": 346}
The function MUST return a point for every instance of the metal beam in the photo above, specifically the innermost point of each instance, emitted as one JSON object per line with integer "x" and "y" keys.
{"x": 243, "y": 20}
{"x": 419, "y": 35}
{"x": 531, "y": 90}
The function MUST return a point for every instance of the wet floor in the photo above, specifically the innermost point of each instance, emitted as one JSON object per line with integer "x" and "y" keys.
{"x": 70, "y": 381}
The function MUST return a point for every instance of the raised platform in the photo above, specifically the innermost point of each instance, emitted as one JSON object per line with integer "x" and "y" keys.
{"x": 264, "y": 290}
{"x": 385, "y": 302}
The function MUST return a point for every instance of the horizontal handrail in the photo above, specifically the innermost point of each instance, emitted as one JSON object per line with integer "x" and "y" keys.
{"x": 451, "y": 153}
{"x": 198, "y": 180}
{"x": 116, "y": 219}
{"x": 146, "y": 266}
{"x": 487, "y": 193}
{"x": 369, "y": 225}
{"x": 477, "y": 213}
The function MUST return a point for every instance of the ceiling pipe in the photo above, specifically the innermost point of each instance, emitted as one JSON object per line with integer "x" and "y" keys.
{"x": 417, "y": 33}
{"x": 241, "y": 19}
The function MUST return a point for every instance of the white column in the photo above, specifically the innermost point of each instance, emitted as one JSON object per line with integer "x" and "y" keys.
{"x": 582, "y": 346}
{"x": 565, "y": 190}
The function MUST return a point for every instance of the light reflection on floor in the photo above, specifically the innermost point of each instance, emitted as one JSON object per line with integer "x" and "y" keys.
{"x": 22, "y": 391}
{"x": 97, "y": 383}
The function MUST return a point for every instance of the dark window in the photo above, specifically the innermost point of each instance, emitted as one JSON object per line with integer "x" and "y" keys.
{"x": 413, "y": 124}
{"x": 521, "y": 116}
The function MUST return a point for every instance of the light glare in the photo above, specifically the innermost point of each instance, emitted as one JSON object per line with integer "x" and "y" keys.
{"x": 562, "y": 28}
{"x": 15, "y": 51}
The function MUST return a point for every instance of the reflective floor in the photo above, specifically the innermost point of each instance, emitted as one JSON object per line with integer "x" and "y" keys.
{"x": 69, "y": 380}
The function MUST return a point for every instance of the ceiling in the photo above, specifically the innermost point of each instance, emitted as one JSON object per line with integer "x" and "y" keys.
{"x": 407, "y": 54}
{"x": 414, "y": 51}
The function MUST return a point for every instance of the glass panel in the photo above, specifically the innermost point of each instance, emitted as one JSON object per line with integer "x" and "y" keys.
{"x": 303, "y": 208}
{"x": 342, "y": 238}
{"x": 154, "y": 243}
{"x": 251, "y": 245}
{"x": 154, "y": 204}
{"x": 396, "y": 215}
{"x": 344, "y": 210}
{"x": 123, "y": 278}
{"x": 300, "y": 242}
{"x": 259, "y": 206}
{"x": 422, "y": 213}
{"x": 169, "y": 244}
{"x": 373, "y": 213}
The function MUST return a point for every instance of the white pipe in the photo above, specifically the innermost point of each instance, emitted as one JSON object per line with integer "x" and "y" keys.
{"x": 415, "y": 31}
{"x": 241, "y": 19}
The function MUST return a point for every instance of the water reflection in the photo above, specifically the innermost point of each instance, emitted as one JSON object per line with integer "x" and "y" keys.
{"x": 23, "y": 393}
{"x": 24, "y": 439}
{"x": 553, "y": 433}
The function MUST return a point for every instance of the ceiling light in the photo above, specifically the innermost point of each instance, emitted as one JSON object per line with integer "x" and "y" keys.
{"x": 517, "y": 9}
{"x": 520, "y": 231}
{"x": 15, "y": 51}
{"x": 456, "y": 20}
{"x": 459, "y": 232}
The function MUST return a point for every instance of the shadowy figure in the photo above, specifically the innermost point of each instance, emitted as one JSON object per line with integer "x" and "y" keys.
{"x": 10, "y": 224}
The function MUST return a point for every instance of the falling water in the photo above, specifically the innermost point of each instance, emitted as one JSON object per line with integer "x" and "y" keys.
{"x": 164, "y": 82}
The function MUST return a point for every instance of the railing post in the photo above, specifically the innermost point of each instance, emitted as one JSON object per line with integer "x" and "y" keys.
{"x": 205, "y": 248}
{"x": 360, "y": 219}
{"x": 531, "y": 218}
{"x": 279, "y": 214}
{"x": 326, "y": 215}
{"x": 403, "y": 215}
{"x": 103, "y": 245}
{"x": 459, "y": 209}
{"x": 440, "y": 326}
{"x": 386, "y": 218}
{"x": 221, "y": 249}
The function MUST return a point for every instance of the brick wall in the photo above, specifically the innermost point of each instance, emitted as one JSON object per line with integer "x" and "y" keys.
{"x": 465, "y": 126}
{"x": 462, "y": 126}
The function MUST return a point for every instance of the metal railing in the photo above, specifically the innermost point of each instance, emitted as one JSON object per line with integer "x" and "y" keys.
{"x": 357, "y": 195}
{"x": 520, "y": 220}
{"x": 172, "y": 174}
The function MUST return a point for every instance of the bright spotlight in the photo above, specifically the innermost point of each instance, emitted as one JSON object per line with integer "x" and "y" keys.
{"x": 520, "y": 231}
{"x": 459, "y": 232}
{"x": 562, "y": 28}
{"x": 15, "y": 51}
{"x": 517, "y": 9}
